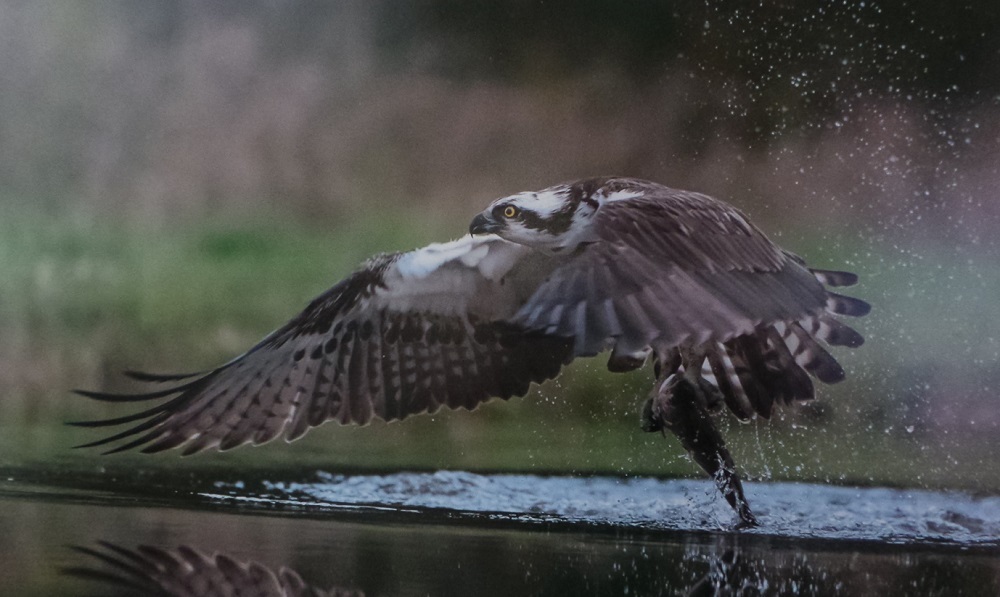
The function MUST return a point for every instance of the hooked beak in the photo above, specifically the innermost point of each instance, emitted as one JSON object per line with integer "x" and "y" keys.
{"x": 483, "y": 224}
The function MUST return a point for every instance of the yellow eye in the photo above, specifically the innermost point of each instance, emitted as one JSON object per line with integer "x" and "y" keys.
{"x": 510, "y": 211}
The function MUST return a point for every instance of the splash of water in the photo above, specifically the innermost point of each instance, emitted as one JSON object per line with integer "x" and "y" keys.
{"x": 792, "y": 510}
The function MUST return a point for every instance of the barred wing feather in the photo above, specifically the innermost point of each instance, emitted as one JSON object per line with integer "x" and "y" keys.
{"x": 406, "y": 334}
{"x": 672, "y": 268}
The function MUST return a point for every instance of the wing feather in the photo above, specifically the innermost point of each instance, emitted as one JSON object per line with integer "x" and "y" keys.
{"x": 360, "y": 399}
{"x": 406, "y": 333}
{"x": 728, "y": 382}
{"x": 672, "y": 268}
{"x": 668, "y": 282}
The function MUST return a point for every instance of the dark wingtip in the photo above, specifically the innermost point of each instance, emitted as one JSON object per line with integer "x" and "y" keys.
{"x": 865, "y": 307}
{"x": 147, "y": 378}
{"x": 145, "y": 423}
{"x": 835, "y": 278}
{"x": 93, "y": 444}
{"x": 110, "y": 397}
{"x": 101, "y": 396}
{"x": 846, "y": 305}
{"x": 159, "y": 377}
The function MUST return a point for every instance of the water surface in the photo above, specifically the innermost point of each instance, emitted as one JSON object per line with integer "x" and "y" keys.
{"x": 460, "y": 533}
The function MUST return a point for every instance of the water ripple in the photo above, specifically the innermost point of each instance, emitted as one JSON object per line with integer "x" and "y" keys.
{"x": 793, "y": 510}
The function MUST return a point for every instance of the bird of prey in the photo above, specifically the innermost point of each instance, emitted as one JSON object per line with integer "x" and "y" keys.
{"x": 649, "y": 273}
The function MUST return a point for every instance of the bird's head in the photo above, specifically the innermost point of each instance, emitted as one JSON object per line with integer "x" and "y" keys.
{"x": 553, "y": 219}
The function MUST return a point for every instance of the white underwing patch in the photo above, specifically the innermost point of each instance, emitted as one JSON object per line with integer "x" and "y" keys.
{"x": 422, "y": 262}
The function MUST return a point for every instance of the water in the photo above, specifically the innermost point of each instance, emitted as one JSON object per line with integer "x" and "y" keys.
{"x": 459, "y": 533}
{"x": 790, "y": 510}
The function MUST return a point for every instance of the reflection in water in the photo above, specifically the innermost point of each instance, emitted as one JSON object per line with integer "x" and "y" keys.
{"x": 734, "y": 573}
{"x": 188, "y": 572}
{"x": 727, "y": 576}
{"x": 393, "y": 551}
{"x": 719, "y": 568}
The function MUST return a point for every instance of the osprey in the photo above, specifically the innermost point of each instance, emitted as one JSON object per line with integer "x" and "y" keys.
{"x": 644, "y": 271}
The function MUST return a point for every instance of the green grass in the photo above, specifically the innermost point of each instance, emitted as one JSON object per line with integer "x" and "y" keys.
{"x": 86, "y": 297}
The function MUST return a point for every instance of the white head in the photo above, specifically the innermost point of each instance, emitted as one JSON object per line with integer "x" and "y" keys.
{"x": 554, "y": 219}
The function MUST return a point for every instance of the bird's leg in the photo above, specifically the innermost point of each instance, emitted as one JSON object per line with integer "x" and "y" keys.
{"x": 684, "y": 407}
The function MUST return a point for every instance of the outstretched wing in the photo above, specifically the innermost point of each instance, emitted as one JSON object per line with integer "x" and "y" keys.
{"x": 671, "y": 268}
{"x": 405, "y": 334}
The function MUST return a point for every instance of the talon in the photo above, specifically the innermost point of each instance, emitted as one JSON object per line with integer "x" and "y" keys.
{"x": 656, "y": 412}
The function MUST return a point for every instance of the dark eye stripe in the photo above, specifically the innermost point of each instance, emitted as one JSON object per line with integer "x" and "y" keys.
{"x": 556, "y": 223}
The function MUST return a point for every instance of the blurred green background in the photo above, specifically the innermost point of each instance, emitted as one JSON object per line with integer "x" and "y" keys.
{"x": 179, "y": 178}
